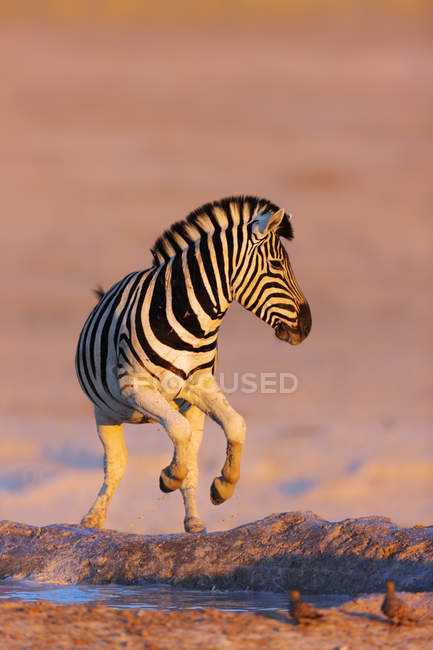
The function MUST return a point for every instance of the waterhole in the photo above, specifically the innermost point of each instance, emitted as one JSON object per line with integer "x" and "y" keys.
{"x": 155, "y": 596}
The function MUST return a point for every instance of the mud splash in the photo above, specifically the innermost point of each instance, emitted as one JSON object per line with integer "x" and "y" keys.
{"x": 290, "y": 550}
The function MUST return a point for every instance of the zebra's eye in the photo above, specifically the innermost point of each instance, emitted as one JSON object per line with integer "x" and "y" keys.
{"x": 275, "y": 264}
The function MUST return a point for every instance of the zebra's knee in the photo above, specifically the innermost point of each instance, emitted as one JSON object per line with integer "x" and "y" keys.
{"x": 236, "y": 429}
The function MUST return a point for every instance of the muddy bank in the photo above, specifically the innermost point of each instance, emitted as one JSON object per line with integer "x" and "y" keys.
{"x": 289, "y": 549}
{"x": 359, "y": 623}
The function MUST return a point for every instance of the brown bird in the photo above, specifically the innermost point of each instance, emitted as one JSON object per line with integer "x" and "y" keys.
{"x": 395, "y": 608}
{"x": 301, "y": 611}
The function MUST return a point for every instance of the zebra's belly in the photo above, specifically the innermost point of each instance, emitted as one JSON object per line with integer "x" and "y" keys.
{"x": 117, "y": 392}
{"x": 166, "y": 384}
{"x": 138, "y": 418}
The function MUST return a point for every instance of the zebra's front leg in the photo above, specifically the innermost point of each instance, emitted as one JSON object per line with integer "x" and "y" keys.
{"x": 154, "y": 405}
{"x": 115, "y": 460}
{"x": 192, "y": 521}
{"x": 205, "y": 393}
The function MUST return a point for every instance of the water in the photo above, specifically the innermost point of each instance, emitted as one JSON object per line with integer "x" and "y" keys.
{"x": 158, "y": 597}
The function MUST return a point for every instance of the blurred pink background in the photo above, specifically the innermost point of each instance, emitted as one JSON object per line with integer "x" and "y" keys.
{"x": 115, "y": 125}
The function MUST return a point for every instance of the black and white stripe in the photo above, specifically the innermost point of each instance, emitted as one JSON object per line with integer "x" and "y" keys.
{"x": 166, "y": 319}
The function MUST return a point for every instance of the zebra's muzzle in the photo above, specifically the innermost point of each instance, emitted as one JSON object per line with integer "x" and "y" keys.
{"x": 293, "y": 335}
{"x": 286, "y": 333}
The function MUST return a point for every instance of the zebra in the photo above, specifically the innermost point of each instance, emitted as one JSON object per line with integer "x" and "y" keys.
{"x": 148, "y": 350}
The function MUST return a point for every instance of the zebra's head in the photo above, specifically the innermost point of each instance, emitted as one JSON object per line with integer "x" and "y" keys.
{"x": 264, "y": 282}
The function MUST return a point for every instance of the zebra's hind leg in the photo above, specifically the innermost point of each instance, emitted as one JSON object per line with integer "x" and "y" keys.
{"x": 115, "y": 460}
{"x": 192, "y": 521}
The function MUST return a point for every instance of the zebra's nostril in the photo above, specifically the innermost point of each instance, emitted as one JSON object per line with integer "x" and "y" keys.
{"x": 282, "y": 331}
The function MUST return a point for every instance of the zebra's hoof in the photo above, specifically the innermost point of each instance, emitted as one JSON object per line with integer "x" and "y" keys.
{"x": 194, "y": 525}
{"x": 93, "y": 521}
{"x": 169, "y": 482}
{"x": 220, "y": 491}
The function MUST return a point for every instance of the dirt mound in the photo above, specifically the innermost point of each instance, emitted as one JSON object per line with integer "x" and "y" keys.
{"x": 291, "y": 549}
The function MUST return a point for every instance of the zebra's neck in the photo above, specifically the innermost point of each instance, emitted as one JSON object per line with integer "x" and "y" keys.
{"x": 205, "y": 255}
{"x": 197, "y": 284}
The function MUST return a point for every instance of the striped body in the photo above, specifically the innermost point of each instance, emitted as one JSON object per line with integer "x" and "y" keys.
{"x": 128, "y": 338}
{"x": 155, "y": 332}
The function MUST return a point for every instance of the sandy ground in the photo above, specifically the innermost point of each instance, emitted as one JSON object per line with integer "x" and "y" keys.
{"x": 39, "y": 626}
{"x": 108, "y": 136}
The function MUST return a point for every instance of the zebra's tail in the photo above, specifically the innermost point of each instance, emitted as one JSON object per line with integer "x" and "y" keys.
{"x": 99, "y": 292}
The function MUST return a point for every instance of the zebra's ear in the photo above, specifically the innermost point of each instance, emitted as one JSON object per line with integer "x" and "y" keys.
{"x": 265, "y": 222}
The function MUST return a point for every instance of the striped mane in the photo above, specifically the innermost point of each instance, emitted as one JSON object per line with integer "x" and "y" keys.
{"x": 214, "y": 217}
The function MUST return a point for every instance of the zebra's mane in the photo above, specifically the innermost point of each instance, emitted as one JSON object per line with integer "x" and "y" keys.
{"x": 216, "y": 216}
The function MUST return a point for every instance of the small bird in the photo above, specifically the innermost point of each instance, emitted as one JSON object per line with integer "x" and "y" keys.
{"x": 395, "y": 608}
{"x": 301, "y": 611}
